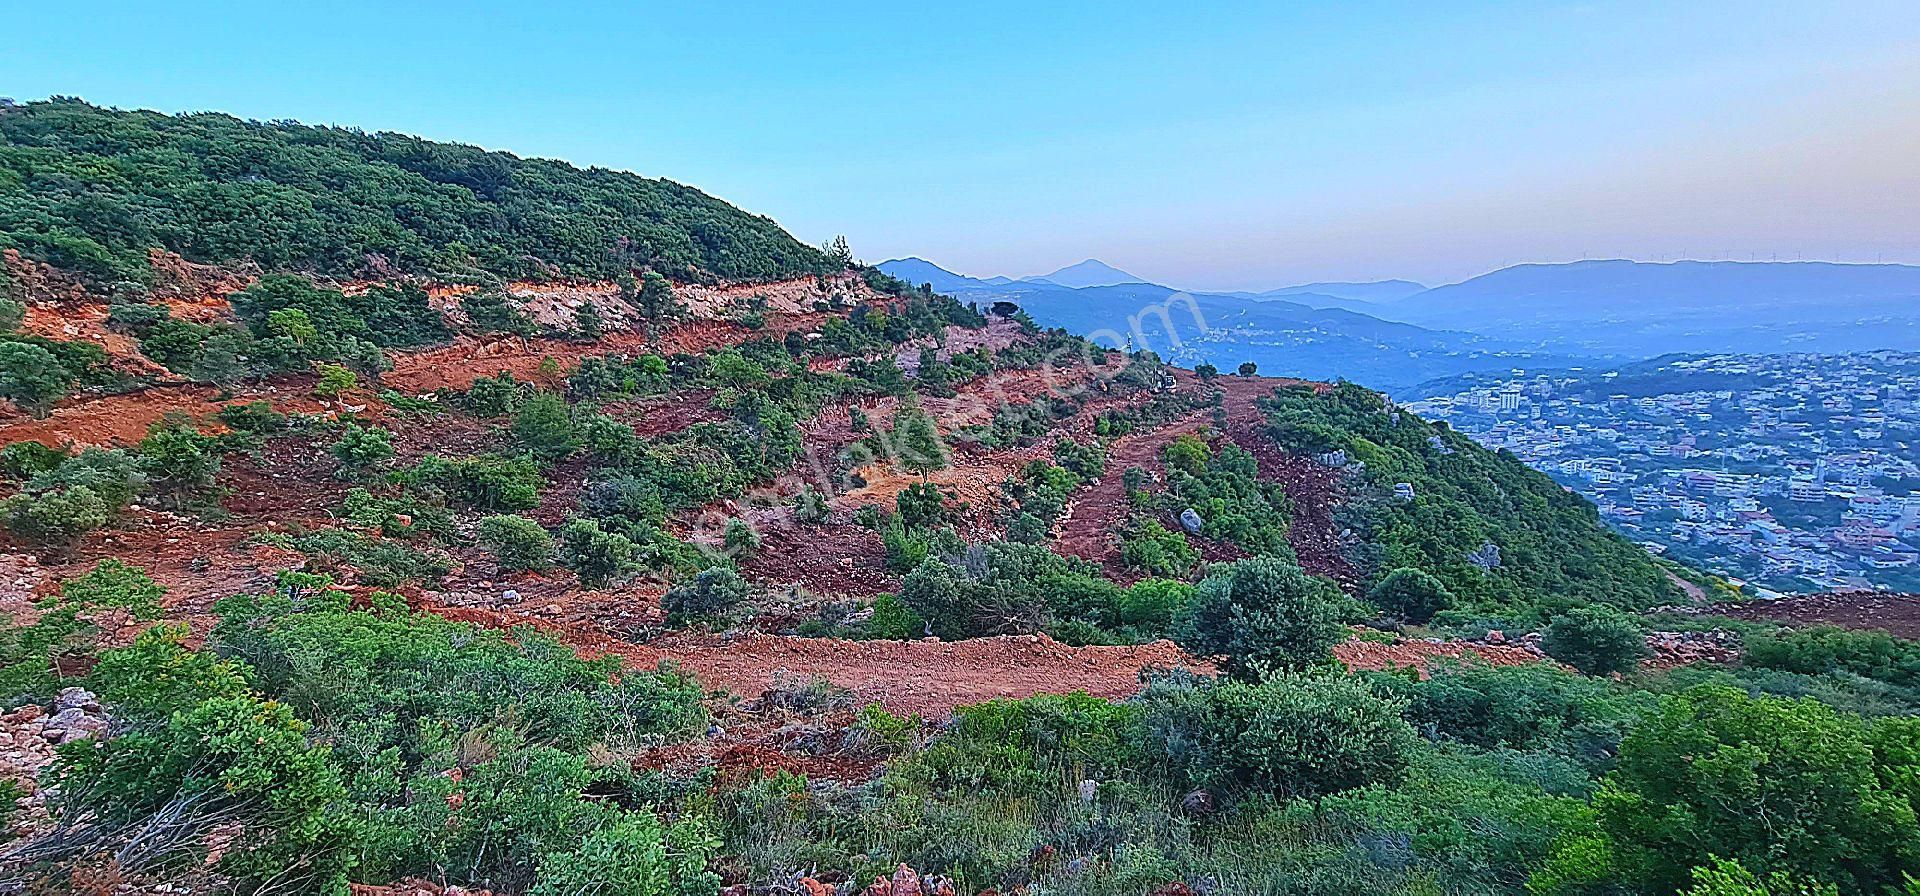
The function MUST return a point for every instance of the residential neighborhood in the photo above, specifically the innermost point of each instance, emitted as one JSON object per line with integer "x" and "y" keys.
{"x": 1790, "y": 472}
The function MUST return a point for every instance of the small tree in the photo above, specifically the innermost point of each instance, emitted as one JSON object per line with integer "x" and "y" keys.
{"x": 917, "y": 446}
{"x": 1248, "y": 368}
{"x": 657, "y": 302}
{"x": 517, "y": 542}
{"x": 1411, "y": 595}
{"x": 588, "y": 323}
{"x": 1597, "y": 640}
{"x": 334, "y": 380}
{"x": 1263, "y": 615}
{"x": 1206, "y": 372}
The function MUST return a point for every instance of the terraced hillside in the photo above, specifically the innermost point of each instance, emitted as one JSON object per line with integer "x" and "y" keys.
{"x": 587, "y": 568}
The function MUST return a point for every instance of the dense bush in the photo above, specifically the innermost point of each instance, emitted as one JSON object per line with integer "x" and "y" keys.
{"x": 1003, "y": 587}
{"x": 1411, "y": 595}
{"x": 1288, "y": 736}
{"x": 1156, "y": 550}
{"x": 1263, "y": 615}
{"x": 84, "y": 492}
{"x": 23, "y": 460}
{"x": 1777, "y": 785}
{"x": 1822, "y": 649}
{"x": 31, "y": 377}
{"x": 598, "y": 557}
{"x": 1535, "y": 708}
{"x": 517, "y": 542}
{"x": 179, "y": 461}
{"x": 234, "y": 764}
{"x": 362, "y": 448}
{"x": 712, "y": 591}
{"x": 544, "y": 425}
{"x": 405, "y": 699}
{"x": 482, "y": 482}
{"x": 1597, "y": 640}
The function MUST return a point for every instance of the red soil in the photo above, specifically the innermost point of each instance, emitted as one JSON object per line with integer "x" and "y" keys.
{"x": 1896, "y": 614}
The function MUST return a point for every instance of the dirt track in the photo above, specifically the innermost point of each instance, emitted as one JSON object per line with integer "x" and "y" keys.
{"x": 1896, "y": 614}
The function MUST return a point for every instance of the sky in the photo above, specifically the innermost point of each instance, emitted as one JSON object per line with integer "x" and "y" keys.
{"x": 1208, "y": 145}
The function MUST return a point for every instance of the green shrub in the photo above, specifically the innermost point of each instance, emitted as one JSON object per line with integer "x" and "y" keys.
{"x": 68, "y": 627}
{"x": 598, "y": 557}
{"x": 256, "y": 417}
{"x": 893, "y": 620}
{"x": 56, "y": 517}
{"x": 31, "y": 377}
{"x": 236, "y": 763}
{"x": 1821, "y": 649}
{"x": 1535, "y": 707}
{"x": 1151, "y": 605}
{"x": 1778, "y": 785}
{"x": 1263, "y": 614}
{"x": 495, "y": 396}
{"x": 544, "y": 426}
{"x": 1726, "y": 877}
{"x": 1156, "y": 550}
{"x": 379, "y": 562}
{"x": 740, "y": 537}
{"x": 712, "y": 591}
{"x": 921, "y": 506}
{"x": 157, "y": 675}
{"x": 517, "y": 542}
{"x": 809, "y": 506}
{"x": 1288, "y": 736}
{"x": 633, "y": 856}
{"x": 999, "y": 592}
{"x": 179, "y": 461}
{"x": 24, "y": 460}
{"x": 396, "y": 517}
{"x": 1597, "y": 640}
{"x": 482, "y": 482}
{"x": 361, "y": 448}
{"x": 1411, "y": 595}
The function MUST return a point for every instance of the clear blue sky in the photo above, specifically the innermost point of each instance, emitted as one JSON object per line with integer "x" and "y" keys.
{"x": 1207, "y": 145}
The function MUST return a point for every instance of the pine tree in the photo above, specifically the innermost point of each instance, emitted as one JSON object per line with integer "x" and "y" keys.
{"x": 916, "y": 443}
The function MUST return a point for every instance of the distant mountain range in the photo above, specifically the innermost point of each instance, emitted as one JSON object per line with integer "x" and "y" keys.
{"x": 1642, "y": 309}
{"x": 1285, "y": 332}
{"x": 1588, "y": 309}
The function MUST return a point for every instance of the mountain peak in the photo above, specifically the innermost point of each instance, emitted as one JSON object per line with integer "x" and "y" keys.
{"x": 1091, "y": 272}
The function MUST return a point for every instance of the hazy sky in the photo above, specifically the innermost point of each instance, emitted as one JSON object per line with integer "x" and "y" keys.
{"x": 1207, "y": 145}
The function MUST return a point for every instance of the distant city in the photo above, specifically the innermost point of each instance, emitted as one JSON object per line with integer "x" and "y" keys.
{"x": 1788, "y": 472}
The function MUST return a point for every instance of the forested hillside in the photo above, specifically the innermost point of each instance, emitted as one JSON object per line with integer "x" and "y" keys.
{"x": 92, "y": 190}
